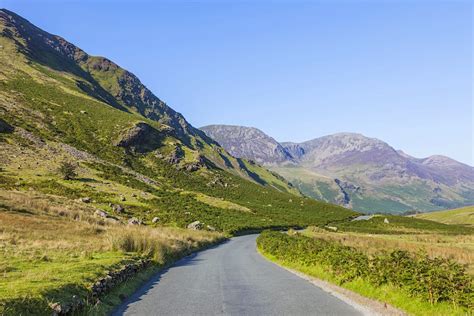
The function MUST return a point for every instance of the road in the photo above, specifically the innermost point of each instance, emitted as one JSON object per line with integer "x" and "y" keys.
{"x": 231, "y": 279}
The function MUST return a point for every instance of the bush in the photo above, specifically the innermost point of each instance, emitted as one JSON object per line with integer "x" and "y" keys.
{"x": 432, "y": 279}
{"x": 67, "y": 170}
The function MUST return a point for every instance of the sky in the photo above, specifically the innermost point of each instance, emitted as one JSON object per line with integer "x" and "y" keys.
{"x": 400, "y": 71}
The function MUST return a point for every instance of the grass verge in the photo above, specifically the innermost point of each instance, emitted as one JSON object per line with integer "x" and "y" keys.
{"x": 303, "y": 259}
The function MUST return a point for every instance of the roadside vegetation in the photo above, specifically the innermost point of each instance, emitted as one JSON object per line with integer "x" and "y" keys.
{"x": 52, "y": 250}
{"x": 414, "y": 282}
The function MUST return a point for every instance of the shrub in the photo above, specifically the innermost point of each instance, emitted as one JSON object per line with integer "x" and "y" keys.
{"x": 432, "y": 279}
{"x": 67, "y": 170}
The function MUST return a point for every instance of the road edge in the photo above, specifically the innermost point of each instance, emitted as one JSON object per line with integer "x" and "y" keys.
{"x": 365, "y": 305}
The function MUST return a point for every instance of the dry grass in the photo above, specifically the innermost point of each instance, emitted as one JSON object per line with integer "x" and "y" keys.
{"x": 48, "y": 242}
{"x": 157, "y": 243}
{"x": 457, "y": 247}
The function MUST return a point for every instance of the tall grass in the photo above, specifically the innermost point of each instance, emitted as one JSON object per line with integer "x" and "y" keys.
{"x": 160, "y": 244}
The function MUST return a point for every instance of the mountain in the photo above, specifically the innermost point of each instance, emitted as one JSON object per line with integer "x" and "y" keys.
{"x": 61, "y": 107}
{"x": 360, "y": 172}
{"x": 248, "y": 142}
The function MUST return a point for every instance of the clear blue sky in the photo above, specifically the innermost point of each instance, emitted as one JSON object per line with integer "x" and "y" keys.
{"x": 400, "y": 71}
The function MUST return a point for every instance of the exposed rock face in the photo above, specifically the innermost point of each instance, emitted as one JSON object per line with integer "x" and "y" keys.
{"x": 248, "y": 142}
{"x": 196, "y": 165}
{"x": 141, "y": 138}
{"x": 175, "y": 156}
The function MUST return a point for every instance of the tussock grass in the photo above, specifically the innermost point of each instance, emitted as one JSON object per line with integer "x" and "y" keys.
{"x": 160, "y": 244}
{"x": 52, "y": 248}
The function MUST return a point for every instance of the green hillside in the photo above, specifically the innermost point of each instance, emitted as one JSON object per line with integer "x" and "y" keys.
{"x": 68, "y": 106}
{"x": 459, "y": 216}
{"x": 97, "y": 173}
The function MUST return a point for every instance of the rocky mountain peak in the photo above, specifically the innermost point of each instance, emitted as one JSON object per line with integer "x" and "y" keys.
{"x": 248, "y": 142}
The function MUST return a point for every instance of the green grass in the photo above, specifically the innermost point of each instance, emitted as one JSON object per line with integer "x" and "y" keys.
{"x": 383, "y": 276}
{"x": 385, "y": 294}
{"x": 401, "y": 225}
{"x": 460, "y": 216}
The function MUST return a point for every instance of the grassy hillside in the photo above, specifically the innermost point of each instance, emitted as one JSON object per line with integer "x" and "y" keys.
{"x": 67, "y": 105}
{"x": 460, "y": 216}
{"x": 390, "y": 197}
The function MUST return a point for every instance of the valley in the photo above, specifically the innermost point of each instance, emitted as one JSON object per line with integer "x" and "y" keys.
{"x": 105, "y": 190}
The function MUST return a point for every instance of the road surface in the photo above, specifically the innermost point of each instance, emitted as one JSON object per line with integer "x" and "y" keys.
{"x": 231, "y": 279}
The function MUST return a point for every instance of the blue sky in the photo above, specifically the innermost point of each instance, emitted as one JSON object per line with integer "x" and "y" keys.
{"x": 400, "y": 71}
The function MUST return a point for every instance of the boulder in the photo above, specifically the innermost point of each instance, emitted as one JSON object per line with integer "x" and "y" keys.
{"x": 111, "y": 220}
{"x": 196, "y": 225}
{"x": 134, "y": 221}
{"x": 101, "y": 213}
{"x": 155, "y": 220}
{"x": 211, "y": 228}
{"x": 117, "y": 208}
{"x": 5, "y": 127}
{"x": 85, "y": 199}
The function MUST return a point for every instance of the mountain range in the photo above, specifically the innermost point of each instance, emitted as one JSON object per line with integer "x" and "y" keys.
{"x": 356, "y": 171}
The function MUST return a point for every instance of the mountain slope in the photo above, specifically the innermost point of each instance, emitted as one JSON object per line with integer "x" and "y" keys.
{"x": 364, "y": 173}
{"x": 248, "y": 142}
{"x": 66, "y": 65}
{"x": 59, "y": 104}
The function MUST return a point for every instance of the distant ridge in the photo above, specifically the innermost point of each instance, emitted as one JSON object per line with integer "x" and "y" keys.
{"x": 371, "y": 175}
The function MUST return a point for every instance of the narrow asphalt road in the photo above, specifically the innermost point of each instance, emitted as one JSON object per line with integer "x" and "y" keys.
{"x": 231, "y": 279}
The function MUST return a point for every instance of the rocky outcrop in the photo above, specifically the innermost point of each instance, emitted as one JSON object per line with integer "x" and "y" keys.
{"x": 141, "y": 137}
{"x": 5, "y": 127}
{"x": 201, "y": 162}
{"x": 346, "y": 199}
{"x": 175, "y": 156}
